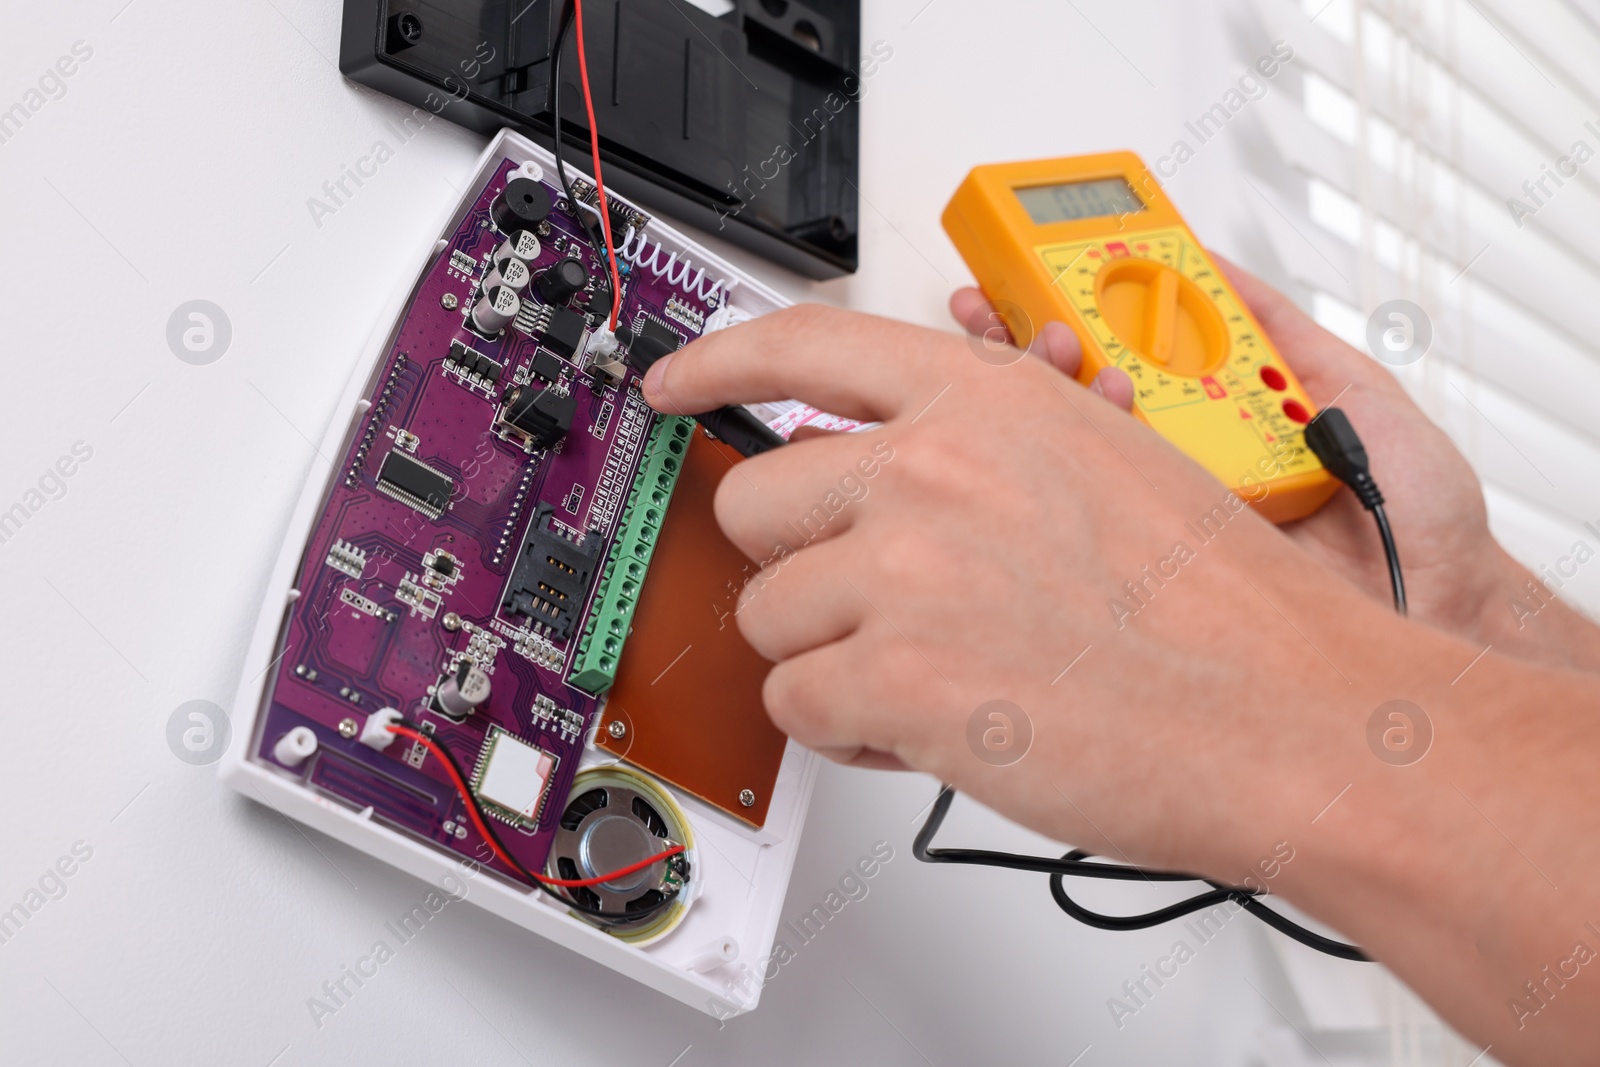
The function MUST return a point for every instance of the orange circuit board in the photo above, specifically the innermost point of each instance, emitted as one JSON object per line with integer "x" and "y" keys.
{"x": 1093, "y": 241}
{"x": 686, "y": 705}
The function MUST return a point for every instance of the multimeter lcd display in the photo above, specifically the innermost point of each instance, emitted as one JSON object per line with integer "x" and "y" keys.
{"x": 1069, "y": 201}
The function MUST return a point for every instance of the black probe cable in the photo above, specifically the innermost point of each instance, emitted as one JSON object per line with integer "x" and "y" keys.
{"x": 1337, "y": 445}
{"x": 1075, "y": 864}
{"x": 1334, "y": 441}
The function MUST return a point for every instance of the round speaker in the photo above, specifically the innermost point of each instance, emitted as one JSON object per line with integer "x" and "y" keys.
{"x": 616, "y": 818}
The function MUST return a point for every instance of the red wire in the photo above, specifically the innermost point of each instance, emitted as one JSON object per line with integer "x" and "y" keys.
{"x": 483, "y": 831}
{"x": 599, "y": 182}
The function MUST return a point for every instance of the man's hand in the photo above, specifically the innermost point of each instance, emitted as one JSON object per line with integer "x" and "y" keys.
{"x": 1009, "y": 535}
{"x": 1195, "y": 699}
{"x": 1458, "y": 578}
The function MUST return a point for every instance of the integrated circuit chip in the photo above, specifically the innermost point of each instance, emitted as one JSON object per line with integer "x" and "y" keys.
{"x": 415, "y": 484}
{"x": 651, "y": 341}
{"x": 511, "y": 777}
{"x": 565, "y": 332}
{"x": 546, "y": 367}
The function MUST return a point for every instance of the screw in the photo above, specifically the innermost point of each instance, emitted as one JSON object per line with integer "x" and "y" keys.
{"x": 348, "y": 728}
{"x": 747, "y": 797}
{"x": 451, "y": 621}
{"x": 618, "y": 729}
{"x": 410, "y": 28}
{"x": 449, "y": 301}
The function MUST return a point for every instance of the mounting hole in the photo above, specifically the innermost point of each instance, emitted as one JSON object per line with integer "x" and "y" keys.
{"x": 409, "y": 27}
{"x": 776, "y": 8}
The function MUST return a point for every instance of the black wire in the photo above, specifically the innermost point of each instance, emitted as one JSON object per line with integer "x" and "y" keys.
{"x": 596, "y": 240}
{"x": 1337, "y": 445}
{"x": 488, "y": 825}
{"x": 1072, "y": 863}
{"x": 1397, "y": 580}
{"x": 1075, "y": 863}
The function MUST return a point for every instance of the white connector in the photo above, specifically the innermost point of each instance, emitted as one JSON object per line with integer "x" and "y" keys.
{"x": 375, "y": 731}
{"x": 602, "y": 343}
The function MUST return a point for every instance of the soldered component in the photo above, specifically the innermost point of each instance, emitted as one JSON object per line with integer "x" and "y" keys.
{"x": 462, "y": 690}
{"x": 365, "y": 605}
{"x": 522, "y": 205}
{"x": 470, "y": 361}
{"x": 562, "y": 281}
{"x": 564, "y": 332}
{"x": 679, "y": 311}
{"x": 546, "y": 367}
{"x": 609, "y": 619}
{"x": 440, "y": 569}
{"x": 512, "y": 777}
{"x": 538, "y": 648}
{"x": 522, "y": 244}
{"x": 494, "y": 309}
{"x": 346, "y": 557}
{"x": 414, "y": 483}
{"x": 424, "y": 602}
{"x": 510, "y": 272}
{"x": 551, "y": 577}
{"x": 541, "y": 417}
{"x": 604, "y": 357}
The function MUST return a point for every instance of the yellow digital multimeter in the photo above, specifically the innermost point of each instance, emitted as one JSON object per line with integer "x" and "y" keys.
{"x": 1092, "y": 241}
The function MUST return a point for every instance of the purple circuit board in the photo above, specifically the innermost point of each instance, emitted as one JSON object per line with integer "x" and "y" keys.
{"x": 393, "y": 599}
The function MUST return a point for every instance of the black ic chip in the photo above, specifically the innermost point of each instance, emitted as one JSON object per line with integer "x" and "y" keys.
{"x": 414, "y": 483}
{"x": 653, "y": 341}
{"x": 546, "y": 368}
{"x": 565, "y": 332}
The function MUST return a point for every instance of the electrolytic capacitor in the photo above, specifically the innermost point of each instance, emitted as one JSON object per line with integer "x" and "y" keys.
{"x": 495, "y": 308}
{"x": 463, "y": 690}
{"x": 522, "y": 244}
{"x": 510, "y": 272}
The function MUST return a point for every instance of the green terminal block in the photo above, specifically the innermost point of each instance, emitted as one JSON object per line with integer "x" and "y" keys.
{"x": 600, "y": 648}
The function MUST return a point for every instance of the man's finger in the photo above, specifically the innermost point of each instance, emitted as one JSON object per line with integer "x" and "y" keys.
{"x": 1058, "y": 346}
{"x": 1115, "y": 386}
{"x": 970, "y": 308}
{"x": 795, "y": 495}
{"x": 858, "y": 366}
{"x": 869, "y": 759}
{"x": 1055, "y": 343}
{"x": 800, "y": 603}
{"x": 803, "y": 702}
